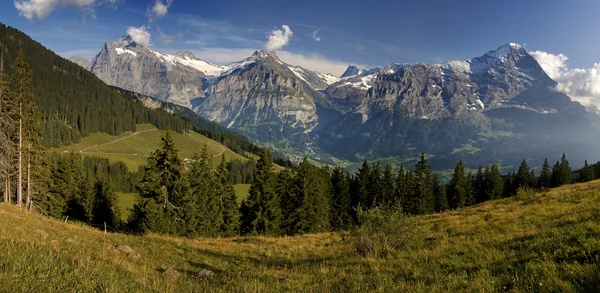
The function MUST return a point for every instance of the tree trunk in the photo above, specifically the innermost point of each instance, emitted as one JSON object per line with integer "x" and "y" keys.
{"x": 20, "y": 172}
{"x": 28, "y": 202}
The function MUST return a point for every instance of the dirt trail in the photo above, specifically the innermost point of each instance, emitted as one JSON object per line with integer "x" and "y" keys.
{"x": 83, "y": 151}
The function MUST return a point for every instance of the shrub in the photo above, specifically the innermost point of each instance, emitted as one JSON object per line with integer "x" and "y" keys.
{"x": 527, "y": 195}
{"x": 381, "y": 231}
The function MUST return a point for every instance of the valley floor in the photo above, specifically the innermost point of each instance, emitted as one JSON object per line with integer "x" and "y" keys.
{"x": 549, "y": 242}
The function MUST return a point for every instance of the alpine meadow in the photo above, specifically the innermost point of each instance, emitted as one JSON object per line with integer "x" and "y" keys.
{"x": 251, "y": 146}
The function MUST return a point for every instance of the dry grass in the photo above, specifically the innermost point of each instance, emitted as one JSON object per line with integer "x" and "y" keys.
{"x": 548, "y": 244}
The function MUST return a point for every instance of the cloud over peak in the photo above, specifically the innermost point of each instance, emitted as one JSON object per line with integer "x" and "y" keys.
{"x": 581, "y": 84}
{"x": 279, "y": 38}
{"x": 139, "y": 35}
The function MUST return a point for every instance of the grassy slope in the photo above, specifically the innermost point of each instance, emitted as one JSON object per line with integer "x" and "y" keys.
{"x": 133, "y": 148}
{"x": 549, "y": 243}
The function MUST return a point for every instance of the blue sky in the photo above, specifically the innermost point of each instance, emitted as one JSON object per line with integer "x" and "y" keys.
{"x": 366, "y": 33}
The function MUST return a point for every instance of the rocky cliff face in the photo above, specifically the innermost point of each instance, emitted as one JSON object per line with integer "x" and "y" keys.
{"x": 178, "y": 78}
{"x": 446, "y": 108}
{"x": 263, "y": 98}
{"x": 80, "y": 61}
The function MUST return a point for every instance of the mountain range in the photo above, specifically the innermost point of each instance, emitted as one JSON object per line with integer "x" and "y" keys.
{"x": 499, "y": 107}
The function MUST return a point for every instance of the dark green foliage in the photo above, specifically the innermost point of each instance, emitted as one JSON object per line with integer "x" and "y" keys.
{"x": 470, "y": 188}
{"x": 240, "y": 172}
{"x": 457, "y": 189}
{"x": 261, "y": 211}
{"x": 424, "y": 188}
{"x": 203, "y": 211}
{"x": 341, "y": 208}
{"x": 388, "y": 186}
{"x": 494, "y": 184}
{"x": 545, "y": 179}
{"x": 522, "y": 178}
{"x": 312, "y": 186}
{"x": 565, "y": 171}
{"x": 231, "y": 212}
{"x": 586, "y": 174}
{"x": 556, "y": 175}
{"x": 105, "y": 210}
{"x": 480, "y": 185}
{"x": 162, "y": 190}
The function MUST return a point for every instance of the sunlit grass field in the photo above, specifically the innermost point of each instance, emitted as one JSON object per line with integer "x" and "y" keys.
{"x": 134, "y": 148}
{"x": 549, "y": 242}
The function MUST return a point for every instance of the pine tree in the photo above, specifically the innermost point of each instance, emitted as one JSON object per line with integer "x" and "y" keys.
{"x": 7, "y": 147}
{"x": 545, "y": 179}
{"x": 532, "y": 178}
{"x": 231, "y": 216}
{"x": 162, "y": 190}
{"x": 312, "y": 185}
{"x": 565, "y": 171}
{"x": 361, "y": 197}
{"x": 457, "y": 192}
{"x": 375, "y": 186}
{"x": 205, "y": 202}
{"x": 522, "y": 178}
{"x": 24, "y": 99}
{"x": 106, "y": 208}
{"x": 400, "y": 187}
{"x": 388, "y": 186}
{"x": 495, "y": 185}
{"x": 480, "y": 186}
{"x": 556, "y": 175}
{"x": 341, "y": 209}
{"x": 262, "y": 211}
{"x": 410, "y": 199}
{"x": 285, "y": 187}
{"x": 586, "y": 173}
{"x": 470, "y": 189}
{"x": 424, "y": 187}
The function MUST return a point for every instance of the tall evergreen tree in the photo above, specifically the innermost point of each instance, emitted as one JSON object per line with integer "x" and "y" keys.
{"x": 556, "y": 175}
{"x": 522, "y": 178}
{"x": 229, "y": 206}
{"x": 285, "y": 187}
{"x": 400, "y": 187}
{"x": 424, "y": 186}
{"x": 388, "y": 186}
{"x": 586, "y": 174}
{"x": 162, "y": 190}
{"x": 480, "y": 186}
{"x": 361, "y": 197}
{"x": 262, "y": 209}
{"x": 312, "y": 185}
{"x": 494, "y": 183}
{"x": 7, "y": 147}
{"x": 24, "y": 100}
{"x": 457, "y": 191}
{"x": 106, "y": 208}
{"x": 341, "y": 209}
{"x": 565, "y": 171}
{"x": 470, "y": 188}
{"x": 375, "y": 186}
{"x": 545, "y": 179}
{"x": 205, "y": 203}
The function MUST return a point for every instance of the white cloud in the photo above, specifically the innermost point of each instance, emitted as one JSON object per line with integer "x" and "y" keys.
{"x": 40, "y": 9}
{"x": 315, "y": 36}
{"x": 159, "y": 9}
{"x": 279, "y": 38}
{"x": 139, "y": 35}
{"x": 581, "y": 84}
